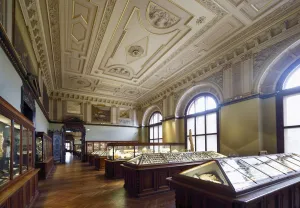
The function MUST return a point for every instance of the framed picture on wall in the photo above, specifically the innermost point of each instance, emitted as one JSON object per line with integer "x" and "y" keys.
{"x": 124, "y": 113}
{"x": 101, "y": 114}
{"x": 74, "y": 107}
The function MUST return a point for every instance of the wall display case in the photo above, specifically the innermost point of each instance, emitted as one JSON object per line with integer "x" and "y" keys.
{"x": 16, "y": 157}
{"x": 146, "y": 174}
{"x": 43, "y": 154}
{"x": 255, "y": 181}
{"x": 118, "y": 153}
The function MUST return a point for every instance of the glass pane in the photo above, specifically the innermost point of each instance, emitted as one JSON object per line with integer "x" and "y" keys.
{"x": 293, "y": 79}
{"x": 151, "y": 132}
{"x": 190, "y": 125}
{"x": 39, "y": 149}
{"x": 200, "y": 125}
{"x": 211, "y": 123}
{"x": 191, "y": 109}
{"x": 159, "y": 117}
{"x": 89, "y": 147}
{"x": 292, "y": 140}
{"x": 291, "y": 110}
{"x": 155, "y": 132}
{"x": 151, "y": 120}
{"x": 200, "y": 143}
{"x": 160, "y": 131}
{"x": 200, "y": 104}
{"x": 210, "y": 103}
{"x": 212, "y": 143}
{"x": 24, "y": 149}
{"x": 160, "y": 141}
{"x": 30, "y": 159}
{"x": 16, "y": 148}
{"x": 5, "y": 142}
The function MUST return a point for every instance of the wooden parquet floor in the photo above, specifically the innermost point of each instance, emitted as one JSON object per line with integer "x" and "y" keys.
{"x": 78, "y": 185}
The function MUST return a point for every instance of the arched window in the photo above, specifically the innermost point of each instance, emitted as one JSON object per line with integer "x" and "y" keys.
{"x": 289, "y": 111}
{"x": 202, "y": 120}
{"x": 155, "y": 128}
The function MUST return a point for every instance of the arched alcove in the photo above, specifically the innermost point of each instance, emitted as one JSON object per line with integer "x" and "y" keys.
{"x": 205, "y": 87}
{"x": 274, "y": 67}
{"x": 147, "y": 114}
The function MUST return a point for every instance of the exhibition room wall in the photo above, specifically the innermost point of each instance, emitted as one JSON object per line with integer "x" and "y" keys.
{"x": 10, "y": 90}
{"x": 245, "y": 87}
{"x": 105, "y": 132}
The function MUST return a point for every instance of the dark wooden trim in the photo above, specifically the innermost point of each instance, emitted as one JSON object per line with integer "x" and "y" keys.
{"x": 169, "y": 118}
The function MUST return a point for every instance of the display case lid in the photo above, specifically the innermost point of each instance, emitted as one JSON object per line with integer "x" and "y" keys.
{"x": 100, "y": 153}
{"x": 169, "y": 158}
{"x": 241, "y": 174}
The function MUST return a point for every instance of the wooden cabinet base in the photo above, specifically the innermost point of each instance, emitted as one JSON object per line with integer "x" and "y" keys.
{"x": 100, "y": 163}
{"x": 148, "y": 180}
{"x": 113, "y": 169}
{"x": 45, "y": 168}
{"x": 281, "y": 195}
{"x": 91, "y": 160}
{"x": 21, "y": 194}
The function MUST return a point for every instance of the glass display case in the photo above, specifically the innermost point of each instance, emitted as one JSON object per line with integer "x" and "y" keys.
{"x": 43, "y": 147}
{"x": 241, "y": 174}
{"x": 125, "y": 151}
{"x": 43, "y": 154}
{"x": 15, "y": 137}
{"x": 92, "y": 146}
{"x": 161, "y": 165}
{"x": 100, "y": 153}
{"x": 169, "y": 158}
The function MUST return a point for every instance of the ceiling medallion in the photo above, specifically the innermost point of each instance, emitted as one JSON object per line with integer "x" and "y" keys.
{"x": 161, "y": 18}
{"x": 200, "y": 20}
{"x": 136, "y": 51}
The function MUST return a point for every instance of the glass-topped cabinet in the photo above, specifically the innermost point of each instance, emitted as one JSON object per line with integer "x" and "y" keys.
{"x": 15, "y": 136}
{"x": 126, "y": 151}
{"x": 235, "y": 176}
{"x": 43, "y": 147}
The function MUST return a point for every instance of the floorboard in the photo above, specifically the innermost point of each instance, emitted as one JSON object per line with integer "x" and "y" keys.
{"x": 76, "y": 184}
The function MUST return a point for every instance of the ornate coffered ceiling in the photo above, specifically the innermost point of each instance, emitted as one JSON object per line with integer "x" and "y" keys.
{"x": 128, "y": 50}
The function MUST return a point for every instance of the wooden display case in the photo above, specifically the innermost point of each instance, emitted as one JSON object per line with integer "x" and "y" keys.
{"x": 117, "y": 154}
{"x": 18, "y": 178}
{"x": 44, "y": 154}
{"x": 92, "y": 146}
{"x": 244, "y": 182}
{"x": 146, "y": 174}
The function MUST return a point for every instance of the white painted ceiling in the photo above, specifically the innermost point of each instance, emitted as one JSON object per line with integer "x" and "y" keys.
{"x": 127, "y": 49}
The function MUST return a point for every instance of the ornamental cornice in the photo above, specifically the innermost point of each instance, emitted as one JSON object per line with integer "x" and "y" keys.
{"x": 33, "y": 18}
{"x": 91, "y": 99}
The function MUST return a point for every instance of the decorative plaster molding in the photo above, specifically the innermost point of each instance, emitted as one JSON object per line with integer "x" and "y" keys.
{"x": 53, "y": 8}
{"x": 56, "y": 95}
{"x": 199, "y": 70}
{"x": 212, "y": 6}
{"x": 31, "y": 15}
{"x": 110, "y": 4}
{"x": 159, "y": 17}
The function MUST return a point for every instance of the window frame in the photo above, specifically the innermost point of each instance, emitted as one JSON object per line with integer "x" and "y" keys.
{"x": 204, "y": 113}
{"x": 280, "y": 94}
{"x": 154, "y": 125}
